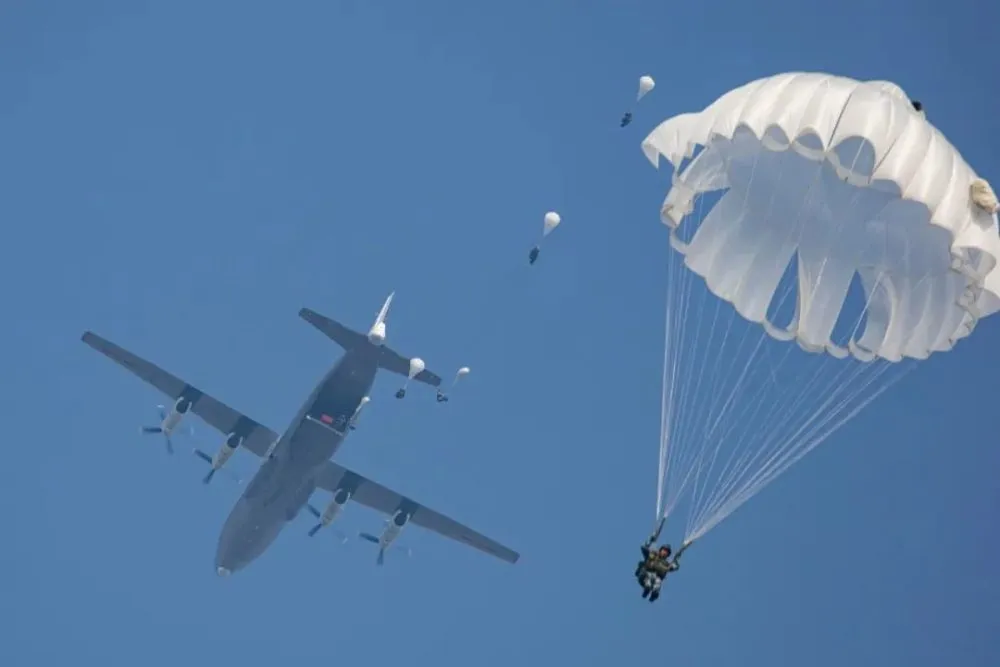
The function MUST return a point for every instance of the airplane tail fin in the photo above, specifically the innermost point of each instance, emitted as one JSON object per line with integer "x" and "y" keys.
{"x": 343, "y": 335}
{"x": 384, "y": 311}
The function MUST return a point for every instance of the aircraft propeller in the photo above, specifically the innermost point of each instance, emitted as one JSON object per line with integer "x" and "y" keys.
{"x": 148, "y": 430}
{"x": 380, "y": 561}
{"x": 315, "y": 529}
{"x": 207, "y": 458}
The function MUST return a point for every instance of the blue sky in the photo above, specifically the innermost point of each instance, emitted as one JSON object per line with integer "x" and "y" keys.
{"x": 183, "y": 176}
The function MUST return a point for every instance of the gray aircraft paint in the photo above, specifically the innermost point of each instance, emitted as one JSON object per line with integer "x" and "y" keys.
{"x": 299, "y": 462}
{"x": 283, "y": 484}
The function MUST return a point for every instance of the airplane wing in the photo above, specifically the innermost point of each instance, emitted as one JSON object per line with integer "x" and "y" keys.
{"x": 371, "y": 494}
{"x": 256, "y": 437}
{"x": 397, "y": 363}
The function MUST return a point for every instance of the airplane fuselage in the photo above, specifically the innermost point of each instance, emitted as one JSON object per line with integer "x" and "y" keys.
{"x": 286, "y": 479}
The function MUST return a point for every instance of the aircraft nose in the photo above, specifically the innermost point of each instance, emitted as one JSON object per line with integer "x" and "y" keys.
{"x": 223, "y": 571}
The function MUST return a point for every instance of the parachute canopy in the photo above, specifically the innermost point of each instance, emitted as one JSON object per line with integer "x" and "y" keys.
{"x": 551, "y": 221}
{"x": 831, "y": 205}
{"x": 646, "y": 84}
{"x": 848, "y": 176}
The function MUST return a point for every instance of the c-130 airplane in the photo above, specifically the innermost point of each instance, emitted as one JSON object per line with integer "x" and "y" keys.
{"x": 297, "y": 462}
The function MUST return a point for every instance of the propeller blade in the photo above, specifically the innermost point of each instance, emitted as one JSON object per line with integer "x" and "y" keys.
{"x": 204, "y": 456}
{"x": 315, "y": 529}
{"x": 312, "y": 510}
{"x": 368, "y": 537}
{"x": 380, "y": 561}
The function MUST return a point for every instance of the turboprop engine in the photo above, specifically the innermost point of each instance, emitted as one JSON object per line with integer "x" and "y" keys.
{"x": 332, "y": 511}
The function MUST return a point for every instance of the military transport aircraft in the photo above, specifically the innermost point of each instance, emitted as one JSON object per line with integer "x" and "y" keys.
{"x": 297, "y": 462}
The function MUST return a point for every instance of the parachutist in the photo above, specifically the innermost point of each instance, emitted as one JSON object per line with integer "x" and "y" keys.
{"x": 626, "y": 119}
{"x": 550, "y": 222}
{"x": 416, "y": 368}
{"x": 656, "y": 565}
{"x": 441, "y": 397}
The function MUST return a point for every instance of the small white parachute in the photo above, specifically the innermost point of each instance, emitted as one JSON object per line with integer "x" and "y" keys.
{"x": 353, "y": 422}
{"x": 646, "y": 84}
{"x": 549, "y": 223}
{"x": 462, "y": 372}
{"x": 417, "y": 366}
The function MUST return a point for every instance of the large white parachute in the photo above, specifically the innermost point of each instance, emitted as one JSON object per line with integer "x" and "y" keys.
{"x": 837, "y": 235}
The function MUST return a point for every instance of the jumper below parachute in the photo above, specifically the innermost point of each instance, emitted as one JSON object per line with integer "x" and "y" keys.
{"x": 549, "y": 223}
{"x": 461, "y": 373}
{"x": 821, "y": 214}
{"x": 646, "y": 84}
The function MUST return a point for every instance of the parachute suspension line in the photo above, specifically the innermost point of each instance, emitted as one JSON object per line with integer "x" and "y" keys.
{"x": 725, "y": 488}
{"x": 666, "y": 391}
{"x": 673, "y": 344}
{"x": 791, "y": 454}
{"x": 799, "y": 415}
{"x": 806, "y": 434}
{"x": 791, "y": 422}
{"x": 725, "y": 413}
{"x": 707, "y": 431}
{"x": 729, "y": 475}
{"x": 672, "y": 452}
{"x": 677, "y": 449}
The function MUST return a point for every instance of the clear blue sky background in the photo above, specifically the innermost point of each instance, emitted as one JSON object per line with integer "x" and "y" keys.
{"x": 183, "y": 176}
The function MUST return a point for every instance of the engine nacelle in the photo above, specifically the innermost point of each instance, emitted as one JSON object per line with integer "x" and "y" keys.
{"x": 340, "y": 499}
{"x": 377, "y": 333}
{"x": 170, "y": 422}
{"x": 232, "y": 443}
{"x": 394, "y": 527}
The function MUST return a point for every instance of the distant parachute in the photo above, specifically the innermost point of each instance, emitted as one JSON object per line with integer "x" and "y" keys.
{"x": 551, "y": 221}
{"x": 462, "y": 372}
{"x": 823, "y": 215}
{"x": 417, "y": 367}
{"x": 646, "y": 84}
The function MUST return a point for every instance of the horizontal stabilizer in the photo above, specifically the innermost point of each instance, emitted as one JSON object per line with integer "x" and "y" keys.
{"x": 349, "y": 339}
{"x": 397, "y": 363}
{"x": 344, "y": 336}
